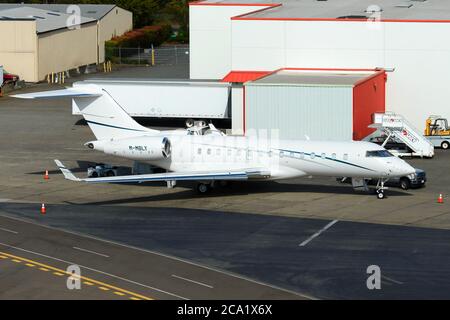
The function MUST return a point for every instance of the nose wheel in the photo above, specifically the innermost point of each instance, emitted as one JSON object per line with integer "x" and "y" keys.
{"x": 380, "y": 195}
{"x": 381, "y": 188}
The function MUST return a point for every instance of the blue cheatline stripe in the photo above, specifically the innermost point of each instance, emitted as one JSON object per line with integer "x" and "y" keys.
{"x": 110, "y": 126}
{"x": 327, "y": 158}
{"x": 212, "y": 176}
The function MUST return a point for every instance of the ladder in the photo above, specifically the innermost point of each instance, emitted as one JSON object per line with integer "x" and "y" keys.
{"x": 397, "y": 128}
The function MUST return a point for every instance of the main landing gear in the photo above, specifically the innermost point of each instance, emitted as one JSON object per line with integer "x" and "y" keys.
{"x": 380, "y": 189}
{"x": 203, "y": 188}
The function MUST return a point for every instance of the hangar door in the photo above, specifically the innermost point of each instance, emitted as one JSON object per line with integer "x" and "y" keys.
{"x": 300, "y": 111}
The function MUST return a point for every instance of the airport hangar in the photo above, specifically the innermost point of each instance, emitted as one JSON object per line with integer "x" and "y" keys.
{"x": 237, "y": 39}
{"x": 36, "y": 40}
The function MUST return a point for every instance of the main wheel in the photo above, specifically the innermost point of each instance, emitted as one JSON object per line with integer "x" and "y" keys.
{"x": 203, "y": 188}
{"x": 405, "y": 184}
{"x": 380, "y": 195}
{"x": 445, "y": 145}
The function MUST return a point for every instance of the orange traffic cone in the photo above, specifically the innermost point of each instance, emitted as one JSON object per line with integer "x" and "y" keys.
{"x": 43, "y": 209}
{"x": 46, "y": 177}
{"x": 440, "y": 199}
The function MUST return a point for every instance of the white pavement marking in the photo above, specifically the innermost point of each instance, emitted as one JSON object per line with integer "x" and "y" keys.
{"x": 94, "y": 270}
{"x": 228, "y": 273}
{"x": 318, "y": 233}
{"x": 193, "y": 281}
{"x": 10, "y": 231}
{"x": 93, "y": 252}
{"x": 391, "y": 280}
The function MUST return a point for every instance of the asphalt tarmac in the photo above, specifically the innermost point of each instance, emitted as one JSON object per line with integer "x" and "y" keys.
{"x": 34, "y": 261}
{"x": 299, "y": 239}
{"x": 297, "y": 254}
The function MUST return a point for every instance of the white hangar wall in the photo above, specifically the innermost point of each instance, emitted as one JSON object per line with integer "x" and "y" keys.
{"x": 210, "y": 38}
{"x": 419, "y": 52}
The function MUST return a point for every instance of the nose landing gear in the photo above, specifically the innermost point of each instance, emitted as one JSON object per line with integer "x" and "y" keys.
{"x": 380, "y": 188}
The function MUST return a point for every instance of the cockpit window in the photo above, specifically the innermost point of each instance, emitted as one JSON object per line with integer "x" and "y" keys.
{"x": 379, "y": 154}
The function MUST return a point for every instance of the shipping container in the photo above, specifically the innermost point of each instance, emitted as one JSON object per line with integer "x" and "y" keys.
{"x": 167, "y": 99}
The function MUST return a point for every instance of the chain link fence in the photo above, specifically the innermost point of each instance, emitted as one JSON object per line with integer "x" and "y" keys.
{"x": 172, "y": 55}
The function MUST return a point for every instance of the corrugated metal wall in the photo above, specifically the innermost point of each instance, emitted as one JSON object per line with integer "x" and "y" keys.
{"x": 319, "y": 112}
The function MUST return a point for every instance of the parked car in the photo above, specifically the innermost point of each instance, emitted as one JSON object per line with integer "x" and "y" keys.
{"x": 102, "y": 170}
{"x": 415, "y": 180}
{"x": 10, "y": 78}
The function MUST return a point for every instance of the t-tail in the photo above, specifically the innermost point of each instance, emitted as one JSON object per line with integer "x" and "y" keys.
{"x": 104, "y": 115}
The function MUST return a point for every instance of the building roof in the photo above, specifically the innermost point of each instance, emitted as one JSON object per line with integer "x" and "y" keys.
{"x": 45, "y": 20}
{"x": 244, "y": 76}
{"x": 429, "y": 10}
{"x": 234, "y": 2}
{"x": 315, "y": 77}
{"x": 93, "y": 11}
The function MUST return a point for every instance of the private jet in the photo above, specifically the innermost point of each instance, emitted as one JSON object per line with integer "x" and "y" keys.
{"x": 214, "y": 157}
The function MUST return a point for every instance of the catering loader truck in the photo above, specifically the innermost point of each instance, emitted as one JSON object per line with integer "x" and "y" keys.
{"x": 190, "y": 100}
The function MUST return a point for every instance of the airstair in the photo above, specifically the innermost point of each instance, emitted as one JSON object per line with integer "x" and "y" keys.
{"x": 398, "y": 129}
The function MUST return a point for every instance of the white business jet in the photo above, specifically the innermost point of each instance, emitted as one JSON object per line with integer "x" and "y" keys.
{"x": 215, "y": 157}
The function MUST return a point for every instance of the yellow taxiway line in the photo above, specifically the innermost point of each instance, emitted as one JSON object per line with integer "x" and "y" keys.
{"x": 88, "y": 281}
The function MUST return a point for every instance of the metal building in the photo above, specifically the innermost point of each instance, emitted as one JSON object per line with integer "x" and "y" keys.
{"x": 319, "y": 104}
{"x": 36, "y": 39}
{"x": 407, "y": 38}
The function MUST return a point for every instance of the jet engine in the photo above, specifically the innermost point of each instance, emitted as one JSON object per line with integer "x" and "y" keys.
{"x": 147, "y": 148}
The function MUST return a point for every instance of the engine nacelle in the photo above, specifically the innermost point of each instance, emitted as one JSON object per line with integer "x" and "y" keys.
{"x": 139, "y": 148}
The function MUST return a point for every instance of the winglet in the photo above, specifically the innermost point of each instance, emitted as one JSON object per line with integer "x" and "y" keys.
{"x": 66, "y": 172}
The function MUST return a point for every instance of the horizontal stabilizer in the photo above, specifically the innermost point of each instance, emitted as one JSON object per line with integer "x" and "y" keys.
{"x": 65, "y": 93}
{"x": 170, "y": 176}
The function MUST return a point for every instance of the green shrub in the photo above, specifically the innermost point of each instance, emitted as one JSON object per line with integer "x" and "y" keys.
{"x": 143, "y": 37}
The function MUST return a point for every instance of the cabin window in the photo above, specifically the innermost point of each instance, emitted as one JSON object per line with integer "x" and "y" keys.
{"x": 208, "y": 152}
{"x": 218, "y": 152}
{"x": 313, "y": 155}
{"x": 379, "y": 154}
{"x": 324, "y": 156}
{"x": 199, "y": 151}
{"x": 345, "y": 156}
{"x": 333, "y": 156}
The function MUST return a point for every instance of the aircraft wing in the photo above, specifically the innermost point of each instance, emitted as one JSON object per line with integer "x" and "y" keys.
{"x": 65, "y": 93}
{"x": 245, "y": 174}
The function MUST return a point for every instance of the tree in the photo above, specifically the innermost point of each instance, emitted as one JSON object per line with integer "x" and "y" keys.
{"x": 179, "y": 10}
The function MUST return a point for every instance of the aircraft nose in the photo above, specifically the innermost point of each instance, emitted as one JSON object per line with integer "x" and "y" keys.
{"x": 403, "y": 168}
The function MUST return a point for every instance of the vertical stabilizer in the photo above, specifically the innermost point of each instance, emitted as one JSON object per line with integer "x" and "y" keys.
{"x": 107, "y": 119}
